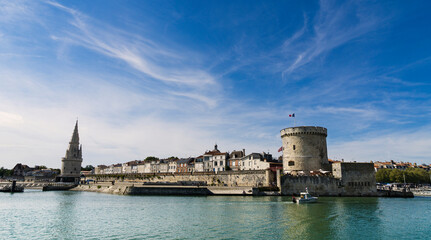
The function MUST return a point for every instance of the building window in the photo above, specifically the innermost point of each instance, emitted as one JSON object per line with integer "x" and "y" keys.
{"x": 215, "y": 163}
{"x": 294, "y": 147}
{"x": 291, "y": 163}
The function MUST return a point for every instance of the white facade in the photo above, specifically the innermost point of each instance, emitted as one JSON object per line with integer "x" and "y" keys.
{"x": 253, "y": 161}
{"x": 172, "y": 166}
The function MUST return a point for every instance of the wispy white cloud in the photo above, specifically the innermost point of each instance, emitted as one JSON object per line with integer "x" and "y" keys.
{"x": 332, "y": 27}
{"x": 11, "y": 11}
{"x": 154, "y": 60}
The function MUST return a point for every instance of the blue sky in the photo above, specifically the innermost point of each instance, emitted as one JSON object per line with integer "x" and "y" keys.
{"x": 174, "y": 77}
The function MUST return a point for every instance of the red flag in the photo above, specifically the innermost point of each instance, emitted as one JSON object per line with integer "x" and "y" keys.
{"x": 280, "y": 149}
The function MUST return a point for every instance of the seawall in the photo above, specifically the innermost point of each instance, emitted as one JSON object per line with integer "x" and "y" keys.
{"x": 139, "y": 189}
{"x": 254, "y": 178}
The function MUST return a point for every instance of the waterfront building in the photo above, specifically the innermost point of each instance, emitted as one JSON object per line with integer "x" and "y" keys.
{"x": 235, "y": 159}
{"x": 199, "y": 164}
{"x": 163, "y": 166}
{"x": 117, "y": 168}
{"x": 71, "y": 163}
{"x": 20, "y": 169}
{"x": 256, "y": 161}
{"x": 172, "y": 165}
{"x": 215, "y": 161}
{"x": 130, "y": 167}
{"x": 100, "y": 169}
{"x": 185, "y": 165}
{"x": 145, "y": 167}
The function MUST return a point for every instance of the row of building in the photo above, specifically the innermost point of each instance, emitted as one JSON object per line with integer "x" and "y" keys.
{"x": 393, "y": 165}
{"x": 400, "y": 165}
{"x": 211, "y": 161}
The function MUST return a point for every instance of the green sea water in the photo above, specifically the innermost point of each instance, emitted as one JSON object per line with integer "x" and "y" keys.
{"x": 85, "y": 215}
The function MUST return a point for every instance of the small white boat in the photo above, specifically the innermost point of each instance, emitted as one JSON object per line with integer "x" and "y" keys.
{"x": 305, "y": 197}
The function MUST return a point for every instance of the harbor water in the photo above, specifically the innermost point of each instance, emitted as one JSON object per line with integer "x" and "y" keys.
{"x": 86, "y": 215}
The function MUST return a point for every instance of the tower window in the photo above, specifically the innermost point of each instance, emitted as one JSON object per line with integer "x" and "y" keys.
{"x": 291, "y": 163}
{"x": 294, "y": 147}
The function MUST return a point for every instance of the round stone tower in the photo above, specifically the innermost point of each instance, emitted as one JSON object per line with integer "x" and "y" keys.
{"x": 304, "y": 149}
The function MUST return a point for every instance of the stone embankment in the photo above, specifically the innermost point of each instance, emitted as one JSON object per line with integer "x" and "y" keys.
{"x": 228, "y": 178}
{"x": 122, "y": 188}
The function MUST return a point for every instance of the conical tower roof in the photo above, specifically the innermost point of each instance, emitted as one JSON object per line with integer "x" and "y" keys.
{"x": 75, "y": 136}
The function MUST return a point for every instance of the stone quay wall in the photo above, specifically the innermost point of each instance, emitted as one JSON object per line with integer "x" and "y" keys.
{"x": 317, "y": 185}
{"x": 321, "y": 186}
{"x": 255, "y": 178}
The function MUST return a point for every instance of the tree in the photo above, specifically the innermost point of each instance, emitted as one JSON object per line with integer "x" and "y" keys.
{"x": 87, "y": 168}
{"x": 5, "y": 172}
{"x": 382, "y": 175}
{"x": 412, "y": 175}
{"x": 396, "y": 176}
{"x": 151, "y": 158}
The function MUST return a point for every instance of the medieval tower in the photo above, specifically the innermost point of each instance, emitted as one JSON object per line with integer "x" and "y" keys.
{"x": 71, "y": 163}
{"x": 304, "y": 149}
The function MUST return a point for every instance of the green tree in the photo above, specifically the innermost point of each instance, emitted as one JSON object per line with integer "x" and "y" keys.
{"x": 382, "y": 175}
{"x": 412, "y": 175}
{"x": 396, "y": 176}
{"x": 87, "y": 168}
{"x": 151, "y": 158}
{"x": 4, "y": 172}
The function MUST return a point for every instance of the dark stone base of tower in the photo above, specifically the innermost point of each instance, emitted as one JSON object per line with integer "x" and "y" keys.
{"x": 67, "y": 179}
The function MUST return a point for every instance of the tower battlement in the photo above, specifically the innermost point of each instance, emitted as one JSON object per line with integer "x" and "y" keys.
{"x": 307, "y": 130}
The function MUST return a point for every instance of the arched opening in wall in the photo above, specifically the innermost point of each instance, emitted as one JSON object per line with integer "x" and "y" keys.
{"x": 291, "y": 163}
{"x": 294, "y": 147}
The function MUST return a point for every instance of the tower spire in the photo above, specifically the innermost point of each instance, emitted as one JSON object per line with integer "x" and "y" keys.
{"x": 75, "y": 136}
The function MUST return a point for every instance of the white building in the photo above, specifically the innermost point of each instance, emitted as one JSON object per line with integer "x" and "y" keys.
{"x": 214, "y": 161}
{"x": 255, "y": 161}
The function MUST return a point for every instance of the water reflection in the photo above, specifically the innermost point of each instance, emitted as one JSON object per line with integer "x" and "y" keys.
{"x": 331, "y": 218}
{"x": 63, "y": 224}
